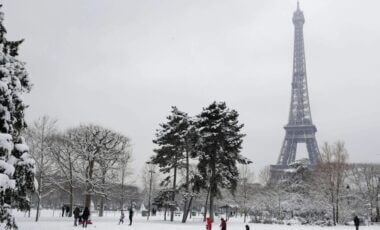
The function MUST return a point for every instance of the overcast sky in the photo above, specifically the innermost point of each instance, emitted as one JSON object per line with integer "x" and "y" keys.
{"x": 123, "y": 63}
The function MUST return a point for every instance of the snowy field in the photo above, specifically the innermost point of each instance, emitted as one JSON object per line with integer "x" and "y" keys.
{"x": 51, "y": 221}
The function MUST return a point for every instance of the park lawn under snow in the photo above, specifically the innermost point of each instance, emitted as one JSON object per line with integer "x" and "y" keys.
{"x": 110, "y": 222}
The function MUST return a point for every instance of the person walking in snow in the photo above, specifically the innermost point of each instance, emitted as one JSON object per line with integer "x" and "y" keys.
{"x": 76, "y": 216}
{"x": 130, "y": 215}
{"x": 247, "y": 227}
{"x": 67, "y": 211}
{"x": 63, "y": 210}
{"x": 85, "y": 216}
{"x": 223, "y": 224}
{"x": 121, "y": 221}
{"x": 208, "y": 223}
{"x": 356, "y": 222}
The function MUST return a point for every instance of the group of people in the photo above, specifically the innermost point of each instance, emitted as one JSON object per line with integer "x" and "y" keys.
{"x": 122, "y": 216}
{"x": 65, "y": 210}
{"x": 223, "y": 224}
{"x": 81, "y": 217}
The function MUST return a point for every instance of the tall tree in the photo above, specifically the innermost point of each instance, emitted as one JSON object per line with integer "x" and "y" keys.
{"x": 16, "y": 164}
{"x": 40, "y": 140}
{"x": 219, "y": 149}
{"x": 122, "y": 167}
{"x": 65, "y": 159}
{"x": 332, "y": 174}
{"x": 245, "y": 190}
{"x": 174, "y": 140}
{"x": 99, "y": 149}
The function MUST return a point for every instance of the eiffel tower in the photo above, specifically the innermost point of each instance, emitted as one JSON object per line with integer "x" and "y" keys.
{"x": 300, "y": 128}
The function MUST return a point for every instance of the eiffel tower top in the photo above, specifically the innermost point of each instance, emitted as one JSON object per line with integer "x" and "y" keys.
{"x": 298, "y": 18}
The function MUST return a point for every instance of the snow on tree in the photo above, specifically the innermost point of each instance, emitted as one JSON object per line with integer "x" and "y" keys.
{"x": 175, "y": 140}
{"x": 99, "y": 150}
{"x": 16, "y": 164}
{"x": 219, "y": 149}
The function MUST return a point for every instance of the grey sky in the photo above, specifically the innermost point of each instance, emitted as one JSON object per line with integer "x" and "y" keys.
{"x": 123, "y": 63}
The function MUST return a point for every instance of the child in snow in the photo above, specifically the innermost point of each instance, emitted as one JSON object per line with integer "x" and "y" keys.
{"x": 121, "y": 221}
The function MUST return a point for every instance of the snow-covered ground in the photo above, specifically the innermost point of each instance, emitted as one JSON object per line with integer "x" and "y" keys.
{"x": 52, "y": 221}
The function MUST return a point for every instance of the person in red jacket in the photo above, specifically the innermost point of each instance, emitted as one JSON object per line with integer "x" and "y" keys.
{"x": 223, "y": 224}
{"x": 208, "y": 223}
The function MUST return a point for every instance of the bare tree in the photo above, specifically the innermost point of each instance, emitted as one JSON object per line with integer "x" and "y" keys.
{"x": 123, "y": 169}
{"x": 40, "y": 141}
{"x": 245, "y": 189}
{"x": 65, "y": 159}
{"x": 332, "y": 174}
{"x": 99, "y": 150}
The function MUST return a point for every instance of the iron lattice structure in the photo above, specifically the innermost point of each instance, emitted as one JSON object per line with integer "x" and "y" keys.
{"x": 300, "y": 128}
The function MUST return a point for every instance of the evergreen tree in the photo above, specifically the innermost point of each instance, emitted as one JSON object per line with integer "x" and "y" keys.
{"x": 175, "y": 139}
{"x": 16, "y": 164}
{"x": 219, "y": 149}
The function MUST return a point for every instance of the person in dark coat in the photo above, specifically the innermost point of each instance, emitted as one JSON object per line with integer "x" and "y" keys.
{"x": 68, "y": 211}
{"x": 76, "y": 215}
{"x": 63, "y": 210}
{"x": 247, "y": 227}
{"x": 85, "y": 216}
{"x": 223, "y": 224}
{"x": 356, "y": 222}
{"x": 130, "y": 215}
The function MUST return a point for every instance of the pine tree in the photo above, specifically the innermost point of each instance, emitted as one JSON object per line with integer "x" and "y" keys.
{"x": 174, "y": 138}
{"x": 219, "y": 149}
{"x": 16, "y": 164}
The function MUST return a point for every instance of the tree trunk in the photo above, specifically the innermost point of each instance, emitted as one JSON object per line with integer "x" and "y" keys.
{"x": 88, "y": 186}
{"x": 166, "y": 209}
{"x": 150, "y": 193}
{"x": 101, "y": 208}
{"x": 172, "y": 209}
{"x": 71, "y": 201}
{"x": 206, "y": 206}
{"x": 38, "y": 207}
{"x": 122, "y": 189}
{"x": 39, "y": 196}
{"x": 186, "y": 204}
{"x": 187, "y": 210}
{"x": 334, "y": 217}
{"x": 213, "y": 189}
{"x": 71, "y": 191}
{"x": 211, "y": 206}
